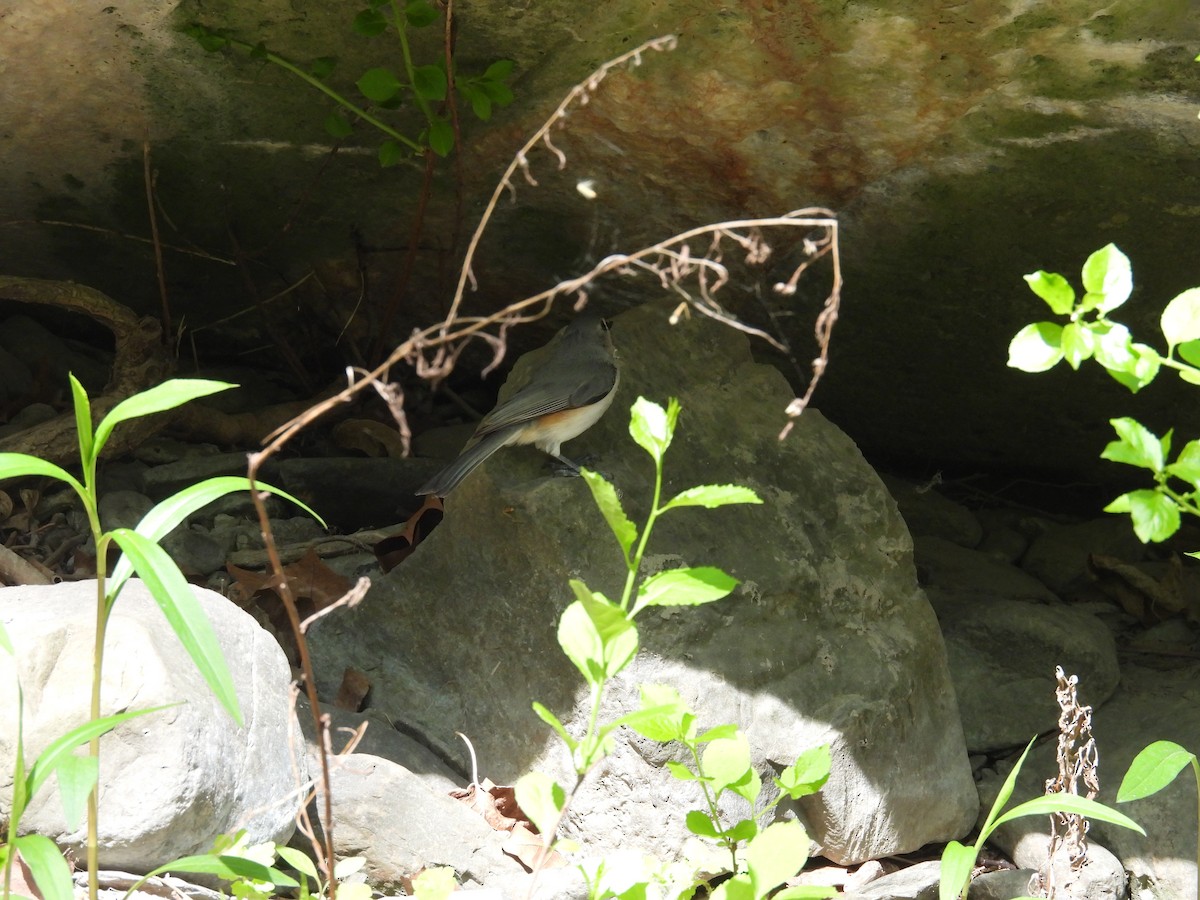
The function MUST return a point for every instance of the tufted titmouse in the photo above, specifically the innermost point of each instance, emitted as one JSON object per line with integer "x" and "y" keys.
{"x": 566, "y": 394}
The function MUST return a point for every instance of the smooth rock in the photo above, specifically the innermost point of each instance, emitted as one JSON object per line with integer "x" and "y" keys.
{"x": 172, "y": 781}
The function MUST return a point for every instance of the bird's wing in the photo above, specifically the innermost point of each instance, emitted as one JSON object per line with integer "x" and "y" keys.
{"x": 540, "y": 398}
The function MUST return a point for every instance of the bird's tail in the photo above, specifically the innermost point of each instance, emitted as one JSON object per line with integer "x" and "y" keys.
{"x": 448, "y": 478}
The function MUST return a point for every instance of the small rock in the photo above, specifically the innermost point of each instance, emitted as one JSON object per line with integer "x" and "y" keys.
{"x": 1058, "y": 558}
{"x": 123, "y": 509}
{"x": 928, "y": 513}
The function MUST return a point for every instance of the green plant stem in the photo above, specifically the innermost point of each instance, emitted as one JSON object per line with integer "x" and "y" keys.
{"x": 713, "y": 813}
{"x": 635, "y": 562}
{"x": 1187, "y": 504}
{"x": 93, "y": 804}
{"x": 1196, "y": 774}
{"x": 406, "y": 52}
{"x": 332, "y": 94}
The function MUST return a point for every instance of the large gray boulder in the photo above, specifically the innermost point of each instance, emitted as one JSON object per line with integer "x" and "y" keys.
{"x": 827, "y": 640}
{"x": 170, "y": 782}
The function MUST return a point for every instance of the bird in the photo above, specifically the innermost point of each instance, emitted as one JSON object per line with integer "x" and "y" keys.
{"x": 570, "y": 388}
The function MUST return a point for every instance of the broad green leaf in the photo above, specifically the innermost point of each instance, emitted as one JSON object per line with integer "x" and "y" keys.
{"x": 667, "y": 717}
{"x": 322, "y": 67}
{"x": 441, "y": 137}
{"x": 727, "y": 762}
{"x": 711, "y": 496}
{"x": 609, "y": 504}
{"x": 652, "y": 427}
{"x": 226, "y": 867}
{"x": 1107, "y": 278}
{"x": 580, "y": 641}
{"x": 1138, "y": 445}
{"x": 1181, "y": 319}
{"x": 437, "y": 883}
{"x": 1069, "y": 803}
{"x": 717, "y": 733}
{"x": 809, "y": 773}
{"x": 338, "y": 126}
{"x": 47, "y": 865}
{"x": 1143, "y": 371}
{"x": 957, "y": 862}
{"x": 429, "y": 82}
{"x": 369, "y": 23}
{"x": 1189, "y": 352}
{"x": 168, "y": 395}
{"x": 700, "y": 824}
{"x": 1036, "y": 347}
{"x": 553, "y": 721}
{"x": 19, "y": 465}
{"x": 656, "y": 720}
{"x": 62, "y": 746}
{"x": 77, "y": 775}
{"x": 207, "y": 38}
{"x": 481, "y": 104}
{"x": 1187, "y": 466}
{"x": 683, "y": 587}
{"x": 736, "y": 888}
{"x": 682, "y": 772}
{"x": 542, "y": 799}
{"x": 1190, "y": 376}
{"x": 1155, "y": 516}
{"x": 390, "y": 153}
{"x": 344, "y": 868}
{"x": 420, "y": 13}
{"x": 499, "y": 70}
{"x": 618, "y": 635}
{"x": 83, "y": 420}
{"x": 1113, "y": 346}
{"x": 743, "y": 830}
{"x": 1153, "y": 769}
{"x": 184, "y": 613}
{"x": 1077, "y": 343}
{"x": 498, "y": 92}
{"x": 379, "y": 84}
{"x": 775, "y": 855}
{"x": 300, "y": 861}
{"x": 168, "y": 514}
{"x": 1054, "y": 289}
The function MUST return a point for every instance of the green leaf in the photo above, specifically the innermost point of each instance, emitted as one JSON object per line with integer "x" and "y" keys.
{"x": 481, "y": 104}
{"x": 429, "y": 82}
{"x": 809, "y": 773}
{"x": 50, "y": 871}
{"x": 618, "y": 635}
{"x": 683, "y": 587}
{"x": 542, "y": 799}
{"x": 168, "y": 514}
{"x": 438, "y": 883}
{"x": 681, "y": 772}
{"x": 160, "y": 398}
{"x": 1113, "y": 346}
{"x": 347, "y": 866}
{"x": 1187, "y": 466}
{"x": 652, "y": 427}
{"x": 6, "y": 642}
{"x": 1054, "y": 289}
{"x": 19, "y": 465}
{"x": 1153, "y": 769}
{"x": 1036, "y": 347}
{"x": 259, "y": 51}
{"x": 1069, "y": 803}
{"x": 207, "y": 38}
{"x": 83, "y": 420}
{"x": 711, "y": 496}
{"x": 63, "y": 746}
{"x": 609, "y": 504}
{"x": 420, "y": 13}
{"x": 580, "y": 641}
{"x": 379, "y": 84}
{"x": 665, "y": 716}
{"x": 1003, "y": 796}
{"x": 1155, "y": 516}
{"x": 742, "y": 830}
{"x": 1189, "y": 352}
{"x": 390, "y": 153}
{"x": 698, "y": 823}
{"x": 957, "y": 862}
{"x": 184, "y": 613}
{"x": 553, "y": 721}
{"x": 1077, "y": 343}
{"x": 727, "y": 762}
{"x": 77, "y": 775}
{"x": 499, "y": 93}
{"x": 1181, "y": 319}
{"x": 300, "y": 861}
{"x": 226, "y": 867}
{"x": 1137, "y": 445}
{"x": 499, "y": 70}
{"x": 441, "y": 137}
{"x": 717, "y": 733}
{"x": 338, "y": 126}
{"x": 775, "y": 855}
{"x": 322, "y": 67}
{"x": 1142, "y": 372}
{"x": 369, "y": 23}
{"x": 1107, "y": 278}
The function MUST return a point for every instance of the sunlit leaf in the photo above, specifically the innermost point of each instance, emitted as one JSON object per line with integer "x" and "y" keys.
{"x": 1107, "y": 278}
{"x": 542, "y": 799}
{"x": 1054, "y": 289}
{"x": 1036, "y": 347}
{"x": 1181, "y": 319}
{"x": 168, "y": 395}
{"x": 1153, "y": 769}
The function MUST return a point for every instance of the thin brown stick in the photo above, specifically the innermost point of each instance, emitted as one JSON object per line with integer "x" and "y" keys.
{"x": 149, "y": 177}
